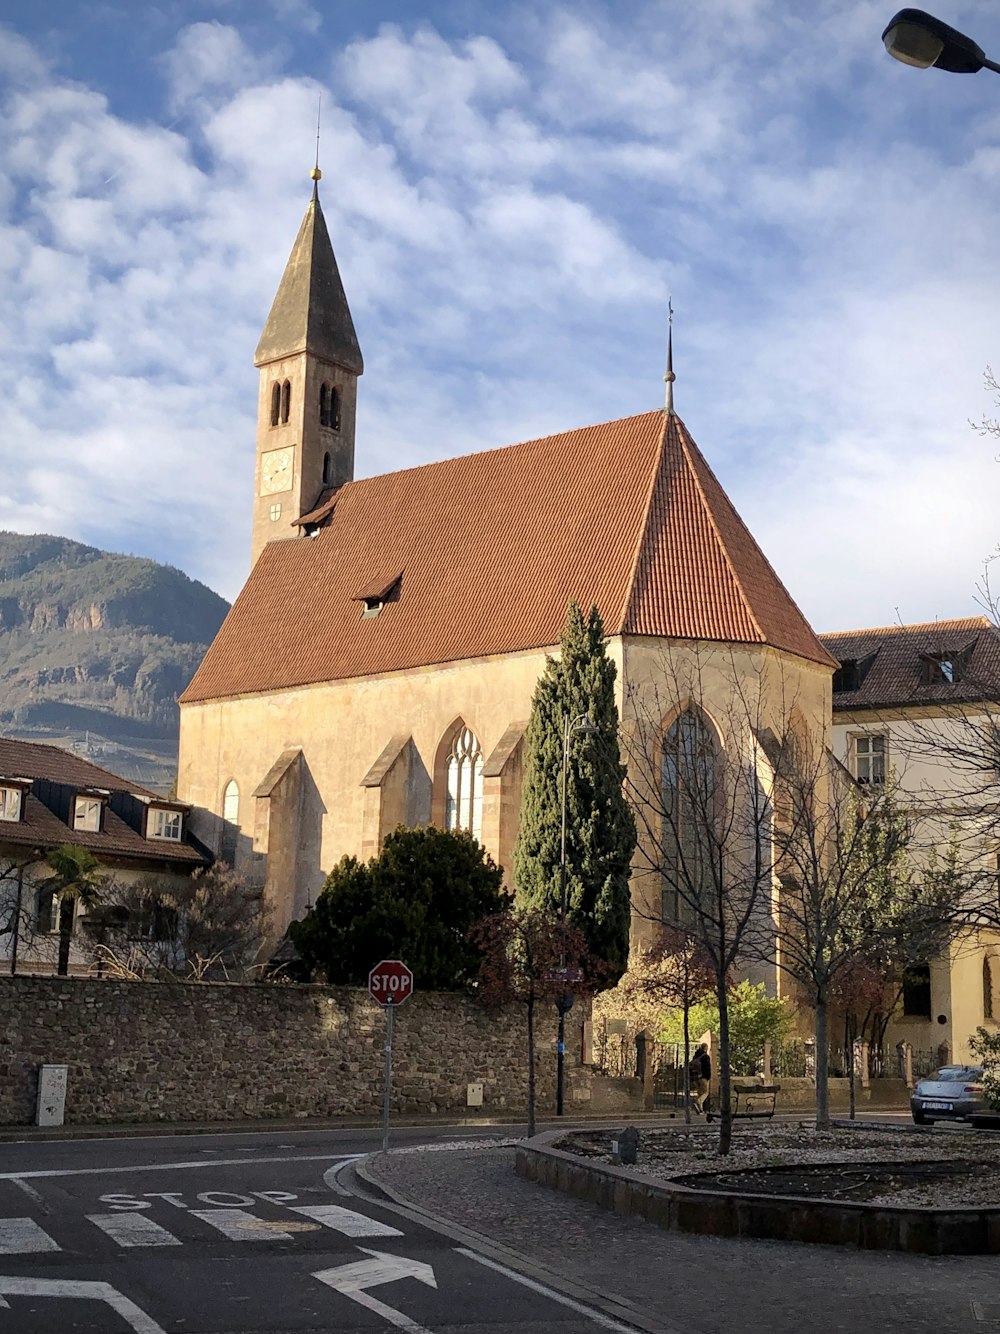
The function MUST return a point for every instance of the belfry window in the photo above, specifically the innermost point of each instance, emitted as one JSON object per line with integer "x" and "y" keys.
{"x": 286, "y": 401}
{"x": 329, "y": 407}
{"x": 327, "y": 469}
{"x": 275, "y": 403}
{"x": 464, "y": 772}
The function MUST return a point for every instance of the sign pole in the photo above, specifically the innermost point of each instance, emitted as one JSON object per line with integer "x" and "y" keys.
{"x": 388, "y": 1074}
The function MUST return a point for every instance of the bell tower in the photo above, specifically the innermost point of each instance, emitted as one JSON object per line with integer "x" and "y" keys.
{"x": 309, "y": 362}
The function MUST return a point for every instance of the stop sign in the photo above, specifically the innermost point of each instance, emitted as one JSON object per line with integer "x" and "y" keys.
{"x": 390, "y": 982}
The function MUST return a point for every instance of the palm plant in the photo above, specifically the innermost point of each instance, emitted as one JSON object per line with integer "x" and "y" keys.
{"x": 76, "y": 878}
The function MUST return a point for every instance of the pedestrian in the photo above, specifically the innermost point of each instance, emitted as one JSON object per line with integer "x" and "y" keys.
{"x": 700, "y": 1074}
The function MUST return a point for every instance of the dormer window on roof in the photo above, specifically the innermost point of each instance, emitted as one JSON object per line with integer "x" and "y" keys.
{"x": 87, "y": 813}
{"x": 378, "y": 594}
{"x": 166, "y": 824}
{"x": 946, "y": 668}
{"x": 11, "y": 803}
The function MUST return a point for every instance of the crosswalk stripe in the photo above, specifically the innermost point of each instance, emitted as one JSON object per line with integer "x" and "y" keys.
{"x": 18, "y": 1236}
{"x": 238, "y": 1225}
{"x": 133, "y": 1229}
{"x": 345, "y": 1220}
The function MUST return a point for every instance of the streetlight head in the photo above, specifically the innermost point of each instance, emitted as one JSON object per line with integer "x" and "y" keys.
{"x": 584, "y": 724}
{"x": 917, "y": 38}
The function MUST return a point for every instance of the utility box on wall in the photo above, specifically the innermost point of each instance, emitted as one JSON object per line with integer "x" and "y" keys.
{"x": 474, "y": 1095}
{"x": 51, "y": 1105}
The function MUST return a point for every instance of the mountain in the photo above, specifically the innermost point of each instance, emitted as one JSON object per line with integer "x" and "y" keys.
{"x": 95, "y": 648}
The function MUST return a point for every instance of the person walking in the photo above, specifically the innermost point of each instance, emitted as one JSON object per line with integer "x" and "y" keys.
{"x": 701, "y": 1077}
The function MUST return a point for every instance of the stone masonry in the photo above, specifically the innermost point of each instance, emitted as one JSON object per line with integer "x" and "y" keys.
{"x": 167, "y": 1051}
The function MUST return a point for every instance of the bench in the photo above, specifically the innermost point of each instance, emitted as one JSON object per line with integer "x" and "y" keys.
{"x": 752, "y": 1102}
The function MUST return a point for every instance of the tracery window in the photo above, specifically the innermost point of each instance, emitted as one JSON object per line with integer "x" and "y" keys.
{"x": 230, "y": 822}
{"x": 464, "y": 774}
{"x": 688, "y": 781}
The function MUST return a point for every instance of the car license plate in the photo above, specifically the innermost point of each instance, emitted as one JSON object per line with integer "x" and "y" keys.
{"x": 933, "y": 1105}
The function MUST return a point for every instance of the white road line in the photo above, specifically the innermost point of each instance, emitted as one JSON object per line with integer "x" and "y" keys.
{"x": 238, "y": 1225}
{"x": 596, "y": 1316}
{"x": 346, "y": 1221}
{"x": 29, "y": 1191}
{"x": 177, "y": 1167}
{"x": 135, "y": 1317}
{"x": 19, "y": 1236}
{"x": 133, "y": 1230}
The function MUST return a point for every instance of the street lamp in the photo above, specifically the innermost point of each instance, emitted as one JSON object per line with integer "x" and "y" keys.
{"x": 919, "y": 39}
{"x": 582, "y": 724}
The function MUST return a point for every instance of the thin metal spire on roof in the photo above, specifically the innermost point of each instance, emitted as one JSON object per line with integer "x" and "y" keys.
{"x": 316, "y": 174}
{"x": 670, "y": 377}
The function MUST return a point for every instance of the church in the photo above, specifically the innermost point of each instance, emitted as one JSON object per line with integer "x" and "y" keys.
{"x": 378, "y": 667}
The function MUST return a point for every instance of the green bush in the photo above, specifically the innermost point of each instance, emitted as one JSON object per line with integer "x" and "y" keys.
{"x": 754, "y": 1018}
{"x": 415, "y": 901}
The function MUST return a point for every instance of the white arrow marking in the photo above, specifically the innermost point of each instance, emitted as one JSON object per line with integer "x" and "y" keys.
{"x": 352, "y": 1280}
{"x": 137, "y": 1318}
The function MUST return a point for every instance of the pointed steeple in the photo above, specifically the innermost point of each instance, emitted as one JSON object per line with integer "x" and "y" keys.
{"x": 670, "y": 377}
{"x": 310, "y": 311}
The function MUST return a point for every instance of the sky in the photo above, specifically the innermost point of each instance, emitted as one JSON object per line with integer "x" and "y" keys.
{"x": 514, "y": 193}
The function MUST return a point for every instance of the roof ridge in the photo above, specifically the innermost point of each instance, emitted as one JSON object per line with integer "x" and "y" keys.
{"x": 630, "y": 590}
{"x": 751, "y": 614}
{"x": 959, "y": 623}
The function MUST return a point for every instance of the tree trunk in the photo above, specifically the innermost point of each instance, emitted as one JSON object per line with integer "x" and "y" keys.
{"x": 531, "y": 1067}
{"x": 725, "y": 1080}
{"x": 687, "y": 1063}
{"x": 822, "y": 1067}
{"x": 65, "y": 935}
{"x": 16, "y": 937}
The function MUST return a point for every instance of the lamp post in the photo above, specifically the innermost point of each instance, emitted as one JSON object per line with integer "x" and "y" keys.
{"x": 583, "y": 724}
{"x": 919, "y": 39}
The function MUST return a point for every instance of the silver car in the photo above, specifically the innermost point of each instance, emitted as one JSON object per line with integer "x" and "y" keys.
{"x": 953, "y": 1093}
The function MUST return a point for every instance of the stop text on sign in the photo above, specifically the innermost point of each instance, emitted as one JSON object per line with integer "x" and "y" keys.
{"x": 390, "y": 982}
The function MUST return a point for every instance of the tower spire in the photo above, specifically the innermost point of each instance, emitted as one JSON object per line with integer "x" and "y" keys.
{"x": 670, "y": 377}
{"x": 316, "y": 174}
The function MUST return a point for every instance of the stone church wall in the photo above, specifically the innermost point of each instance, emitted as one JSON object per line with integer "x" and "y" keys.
{"x": 140, "y": 1052}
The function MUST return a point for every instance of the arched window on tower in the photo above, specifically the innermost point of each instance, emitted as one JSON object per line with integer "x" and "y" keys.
{"x": 329, "y": 407}
{"x": 327, "y": 469}
{"x": 230, "y": 822}
{"x": 275, "y": 403}
{"x": 464, "y": 776}
{"x": 286, "y": 401}
{"x": 688, "y": 788}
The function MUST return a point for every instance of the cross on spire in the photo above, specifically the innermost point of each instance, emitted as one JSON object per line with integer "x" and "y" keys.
{"x": 670, "y": 377}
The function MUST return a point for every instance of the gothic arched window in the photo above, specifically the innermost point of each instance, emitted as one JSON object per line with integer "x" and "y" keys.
{"x": 688, "y": 792}
{"x": 329, "y": 407}
{"x": 275, "y": 403}
{"x": 286, "y": 401}
{"x": 230, "y": 822}
{"x": 327, "y": 469}
{"x": 464, "y": 775}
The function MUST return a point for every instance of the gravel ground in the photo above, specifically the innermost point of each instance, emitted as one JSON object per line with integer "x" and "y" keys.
{"x": 669, "y": 1154}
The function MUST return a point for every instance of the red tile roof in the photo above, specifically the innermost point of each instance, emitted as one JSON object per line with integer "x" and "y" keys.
{"x": 492, "y": 547}
{"x": 41, "y": 828}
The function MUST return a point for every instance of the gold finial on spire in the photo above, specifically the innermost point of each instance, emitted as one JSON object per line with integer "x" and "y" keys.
{"x": 670, "y": 377}
{"x": 316, "y": 175}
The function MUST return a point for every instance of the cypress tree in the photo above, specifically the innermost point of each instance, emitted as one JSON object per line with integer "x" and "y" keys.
{"x": 600, "y": 828}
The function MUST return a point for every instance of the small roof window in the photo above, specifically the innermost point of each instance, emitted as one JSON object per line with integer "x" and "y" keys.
{"x": 377, "y": 594}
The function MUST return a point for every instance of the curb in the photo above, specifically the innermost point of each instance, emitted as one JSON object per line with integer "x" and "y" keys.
{"x": 617, "y": 1308}
{"x": 670, "y": 1205}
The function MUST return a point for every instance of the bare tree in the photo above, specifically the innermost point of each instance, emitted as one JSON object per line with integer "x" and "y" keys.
{"x": 209, "y": 925}
{"x": 699, "y": 780}
{"x": 18, "y": 921}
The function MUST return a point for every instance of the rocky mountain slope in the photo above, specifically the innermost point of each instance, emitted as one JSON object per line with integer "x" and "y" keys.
{"x": 95, "y": 648}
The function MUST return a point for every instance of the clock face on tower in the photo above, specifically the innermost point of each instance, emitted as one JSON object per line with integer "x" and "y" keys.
{"x": 275, "y": 471}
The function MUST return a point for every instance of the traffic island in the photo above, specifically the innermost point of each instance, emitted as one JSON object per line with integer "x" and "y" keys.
{"x": 790, "y": 1202}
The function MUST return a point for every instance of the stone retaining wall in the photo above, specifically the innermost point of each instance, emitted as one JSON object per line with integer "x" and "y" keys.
{"x": 973, "y": 1231}
{"x": 159, "y": 1051}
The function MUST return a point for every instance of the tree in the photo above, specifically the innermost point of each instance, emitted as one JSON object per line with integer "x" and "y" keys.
{"x": 208, "y": 925}
{"x": 705, "y": 815}
{"x": 525, "y": 955}
{"x": 415, "y": 901}
{"x": 600, "y": 827}
{"x": 17, "y": 918}
{"x": 76, "y": 879}
{"x": 675, "y": 973}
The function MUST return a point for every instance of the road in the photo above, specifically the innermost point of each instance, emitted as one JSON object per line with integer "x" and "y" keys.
{"x": 241, "y": 1234}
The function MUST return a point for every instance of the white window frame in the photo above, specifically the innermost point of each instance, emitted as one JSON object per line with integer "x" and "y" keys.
{"x": 165, "y": 824}
{"x": 11, "y": 800}
{"x": 87, "y": 814}
{"x": 867, "y": 749}
{"x": 464, "y": 784}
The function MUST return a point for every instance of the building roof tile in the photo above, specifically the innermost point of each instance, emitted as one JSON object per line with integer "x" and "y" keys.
{"x": 492, "y": 547}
